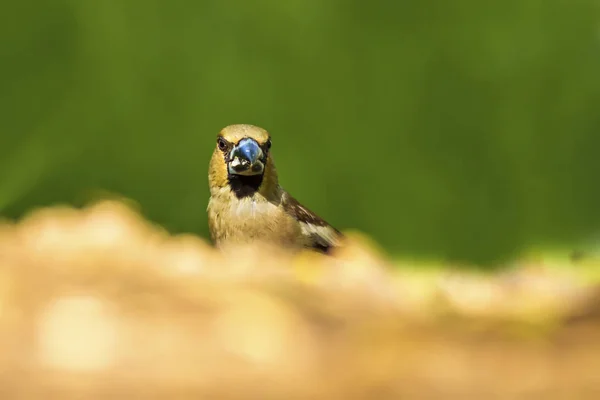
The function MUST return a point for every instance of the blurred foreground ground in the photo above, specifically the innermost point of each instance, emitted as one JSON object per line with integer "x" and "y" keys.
{"x": 98, "y": 304}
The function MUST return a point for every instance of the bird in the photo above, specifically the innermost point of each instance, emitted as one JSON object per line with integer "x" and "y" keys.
{"x": 247, "y": 203}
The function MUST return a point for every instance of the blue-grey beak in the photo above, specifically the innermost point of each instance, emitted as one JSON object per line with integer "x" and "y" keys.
{"x": 246, "y": 158}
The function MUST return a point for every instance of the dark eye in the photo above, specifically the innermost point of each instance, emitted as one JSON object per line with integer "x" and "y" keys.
{"x": 222, "y": 144}
{"x": 268, "y": 144}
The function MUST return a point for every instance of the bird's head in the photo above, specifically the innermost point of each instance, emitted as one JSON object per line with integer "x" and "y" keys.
{"x": 242, "y": 161}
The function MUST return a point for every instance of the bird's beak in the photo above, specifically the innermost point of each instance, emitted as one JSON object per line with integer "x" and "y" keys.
{"x": 246, "y": 158}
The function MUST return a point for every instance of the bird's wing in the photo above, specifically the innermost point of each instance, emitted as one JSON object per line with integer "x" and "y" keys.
{"x": 322, "y": 236}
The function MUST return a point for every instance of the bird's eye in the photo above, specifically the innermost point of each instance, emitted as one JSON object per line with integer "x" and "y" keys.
{"x": 222, "y": 144}
{"x": 269, "y": 144}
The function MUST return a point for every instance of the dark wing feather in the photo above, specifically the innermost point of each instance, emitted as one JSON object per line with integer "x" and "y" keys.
{"x": 323, "y": 237}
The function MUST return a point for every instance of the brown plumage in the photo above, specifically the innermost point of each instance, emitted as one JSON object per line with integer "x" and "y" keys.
{"x": 248, "y": 204}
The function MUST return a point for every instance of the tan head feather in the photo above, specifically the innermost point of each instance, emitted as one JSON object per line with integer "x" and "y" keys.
{"x": 217, "y": 173}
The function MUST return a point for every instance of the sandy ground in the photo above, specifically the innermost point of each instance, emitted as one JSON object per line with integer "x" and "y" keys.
{"x": 100, "y": 304}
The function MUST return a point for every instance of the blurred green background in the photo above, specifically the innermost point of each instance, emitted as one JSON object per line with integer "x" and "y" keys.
{"x": 461, "y": 129}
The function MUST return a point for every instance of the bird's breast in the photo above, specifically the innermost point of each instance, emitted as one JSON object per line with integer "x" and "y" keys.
{"x": 250, "y": 219}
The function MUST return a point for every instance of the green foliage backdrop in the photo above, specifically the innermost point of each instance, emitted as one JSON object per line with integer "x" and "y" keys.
{"x": 466, "y": 129}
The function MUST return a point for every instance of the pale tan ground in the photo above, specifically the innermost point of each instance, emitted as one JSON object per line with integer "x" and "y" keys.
{"x": 99, "y": 304}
